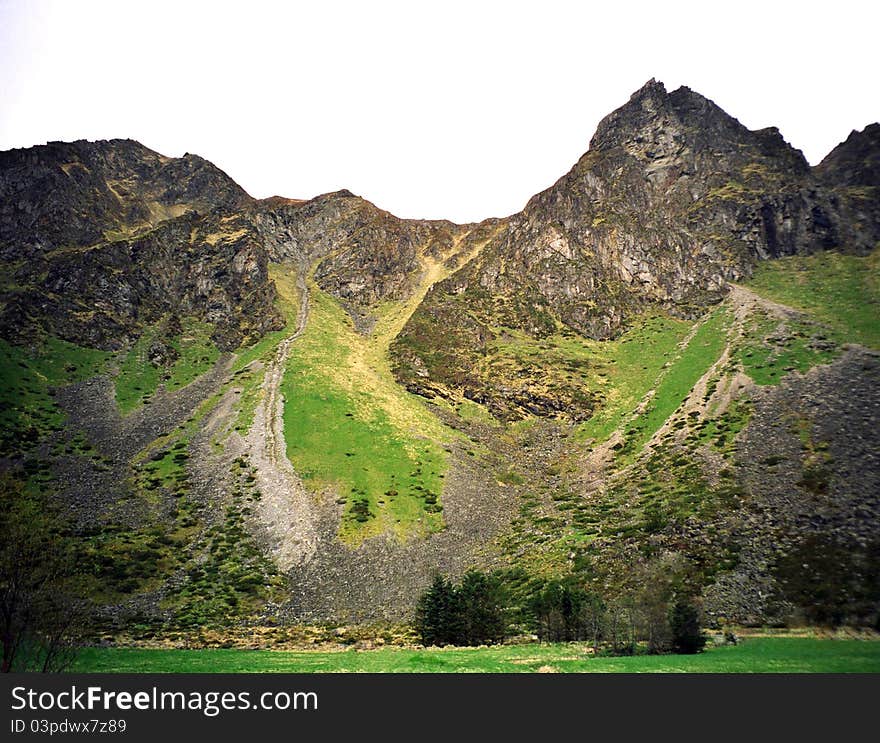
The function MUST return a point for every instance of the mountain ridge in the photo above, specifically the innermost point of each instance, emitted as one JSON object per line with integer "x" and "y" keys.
{"x": 574, "y": 389}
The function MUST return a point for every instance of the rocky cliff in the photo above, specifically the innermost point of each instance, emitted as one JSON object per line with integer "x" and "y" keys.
{"x": 99, "y": 239}
{"x": 65, "y": 195}
{"x": 852, "y": 169}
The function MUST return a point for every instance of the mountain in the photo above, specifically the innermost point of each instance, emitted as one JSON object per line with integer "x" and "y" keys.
{"x": 64, "y": 195}
{"x": 663, "y": 370}
{"x": 673, "y": 200}
{"x": 98, "y": 239}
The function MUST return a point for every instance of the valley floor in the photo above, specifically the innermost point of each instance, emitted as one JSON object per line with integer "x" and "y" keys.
{"x": 751, "y": 655}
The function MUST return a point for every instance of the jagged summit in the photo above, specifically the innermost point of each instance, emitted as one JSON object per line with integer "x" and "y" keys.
{"x": 66, "y": 194}
{"x": 655, "y": 123}
{"x": 674, "y": 199}
{"x": 855, "y": 161}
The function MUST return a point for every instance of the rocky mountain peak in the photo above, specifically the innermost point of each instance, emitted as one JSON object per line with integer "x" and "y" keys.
{"x": 68, "y": 194}
{"x": 656, "y": 124}
{"x": 855, "y": 161}
{"x": 852, "y": 170}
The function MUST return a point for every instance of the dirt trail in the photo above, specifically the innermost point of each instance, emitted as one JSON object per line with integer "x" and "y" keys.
{"x": 744, "y": 302}
{"x": 288, "y": 512}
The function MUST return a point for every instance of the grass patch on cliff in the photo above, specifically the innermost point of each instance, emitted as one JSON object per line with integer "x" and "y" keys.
{"x": 626, "y": 369}
{"x": 684, "y": 371}
{"x": 186, "y": 354}
{"x": 754, "y": 655}
{"x": 349, "y": 426}
{"x": 27, "y": 376}
{"x": 842, "y": 291}
{"x": 771, "y": 349}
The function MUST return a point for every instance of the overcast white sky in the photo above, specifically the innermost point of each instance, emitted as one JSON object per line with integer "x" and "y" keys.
{"x": 450, "y": 109}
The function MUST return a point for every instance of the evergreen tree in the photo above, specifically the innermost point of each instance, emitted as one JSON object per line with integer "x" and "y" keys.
{"x": 470, "y": 613}
{"x": 436, "y": 613}
{"x": 480, "y": 608}
{"x": 684, "y": 623}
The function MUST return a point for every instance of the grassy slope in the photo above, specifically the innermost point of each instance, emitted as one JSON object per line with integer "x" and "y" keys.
{"x": 694, "y": 360}
{"x": 842, "y": 291}
{"x": 630, "y": 366}
{"x": 347, "y": 424}
{"x": 645, "y": 494}
{"x": 27, "y": 410}
{"x": 138, "y": 379}
{"x": 769, "y": 349}
{"x": 758, "y": 655}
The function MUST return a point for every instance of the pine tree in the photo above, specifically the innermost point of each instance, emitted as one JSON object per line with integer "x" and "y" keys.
{"x": 480, "y": 609}
{"x": 436, "y": 614}
{"x": 470, "y": 613}
{"x": 684, "y": 622}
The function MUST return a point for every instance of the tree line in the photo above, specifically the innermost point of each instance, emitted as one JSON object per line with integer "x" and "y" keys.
{"x": 658, "y": 617}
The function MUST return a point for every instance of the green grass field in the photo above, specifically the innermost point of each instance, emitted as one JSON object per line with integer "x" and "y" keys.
{"x": 756, "y": 655}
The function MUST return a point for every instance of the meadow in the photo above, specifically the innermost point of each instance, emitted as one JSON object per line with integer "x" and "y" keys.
{"x": 752, "y": 655}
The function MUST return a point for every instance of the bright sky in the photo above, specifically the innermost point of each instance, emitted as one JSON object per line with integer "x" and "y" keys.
{"x": 446, "y": 109}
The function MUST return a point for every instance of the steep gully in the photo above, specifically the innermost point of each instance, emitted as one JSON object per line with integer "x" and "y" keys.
{"x": 288, "y": 512}
{"x": 380, "y": 577}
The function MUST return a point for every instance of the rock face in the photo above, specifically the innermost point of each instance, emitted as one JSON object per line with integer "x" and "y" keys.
{"x": 369, "y": 255}
{"x": 65, "y": 195}
{"x": 100, "y": 238}
{"x": 673, "y": 199}
{"x": 211, "y": 267}
{"x": 852, "y": 169}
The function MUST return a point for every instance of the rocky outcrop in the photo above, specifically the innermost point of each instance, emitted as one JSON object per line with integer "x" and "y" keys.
{"x": 673, "y": 199}
{"x": 69, "y": 194}
{"x": 852, "y": 169}
{"x": 99, "y": 239}
{"x": 369, "y": 255}
{"x": 210, "y": 267}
